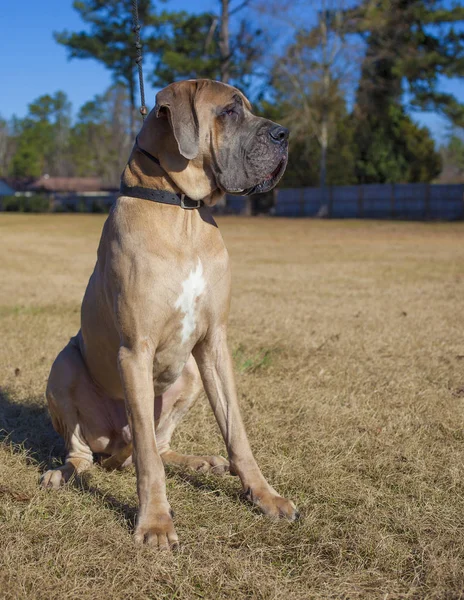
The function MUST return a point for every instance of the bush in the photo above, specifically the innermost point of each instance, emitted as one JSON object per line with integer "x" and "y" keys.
{"x": 37, "y": 204}
{"x": 10, "y": 203}
{"x": 99, "y": 207}
{"x": 26, "y": 204}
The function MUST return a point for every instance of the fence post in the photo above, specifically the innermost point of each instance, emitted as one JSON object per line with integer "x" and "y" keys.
{"x": 392, "y": 201}
{"x": 330, "y": 204}
{"x": 275, "y": 194}
{"x": 427, "y": 201}
{"x": 360, "y": 201}
{"x": 302, "y": 202}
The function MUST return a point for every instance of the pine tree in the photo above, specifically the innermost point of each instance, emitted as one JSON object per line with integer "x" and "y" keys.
{"x": 110, "y": 39}
{"x": 211, "y": 45}
{"x": 411, "y": 46}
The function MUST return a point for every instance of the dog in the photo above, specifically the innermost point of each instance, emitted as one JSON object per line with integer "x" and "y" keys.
{"x": 154, "y": 314}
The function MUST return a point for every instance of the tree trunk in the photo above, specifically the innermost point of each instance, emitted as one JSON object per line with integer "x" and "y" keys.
{"x": 324, "y": 208}
{"x": 324, "y": 146}
{"x": 133, "y": 109}
{"x": 224, "y": 42}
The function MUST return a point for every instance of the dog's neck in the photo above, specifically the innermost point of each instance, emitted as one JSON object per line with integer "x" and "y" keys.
{"x": 155, "y": 142}
{"x": 143, "y": 172}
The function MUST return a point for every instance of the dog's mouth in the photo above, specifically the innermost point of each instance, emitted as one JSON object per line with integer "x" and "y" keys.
{"x": 266, "y": 184}
{"x": 270, "y": 181}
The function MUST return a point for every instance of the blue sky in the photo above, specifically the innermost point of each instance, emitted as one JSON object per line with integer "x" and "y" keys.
{"x": 32, "y": 63}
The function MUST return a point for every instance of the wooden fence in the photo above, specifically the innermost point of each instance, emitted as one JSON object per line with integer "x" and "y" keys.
{"x": 418, "y": 201}
{"x": 415, "y": 201}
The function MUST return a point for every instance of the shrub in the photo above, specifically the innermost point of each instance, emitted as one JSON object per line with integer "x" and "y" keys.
{"x": 36, "y": 204}
{"x": 10, "y": 203}
{"x": 27, "y": 204}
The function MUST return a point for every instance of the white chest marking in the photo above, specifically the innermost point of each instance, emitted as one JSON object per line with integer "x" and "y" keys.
{"x": 192, "y": 288}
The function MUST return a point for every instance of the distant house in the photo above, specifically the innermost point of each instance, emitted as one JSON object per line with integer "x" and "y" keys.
{"x": 5, "y": 189}
{"x": 68, "y": 186}
{"x": 74, "y": 193}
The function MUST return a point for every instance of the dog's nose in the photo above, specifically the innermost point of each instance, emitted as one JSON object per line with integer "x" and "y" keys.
{"x": 279, "y": 134}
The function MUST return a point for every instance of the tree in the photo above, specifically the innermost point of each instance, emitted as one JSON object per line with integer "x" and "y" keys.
{"x": 42, "y": 138}
{"x": 4, "y": 144}
{"x": 191, "y": 51}
{"x": 312, "y": 78}
{"x": 181, "y": 45}
{"x": 240, "y": 51}
{"x": 98, "y": 144}
{"x": 211, "y": 45}
{"x": 453, "y": 158}
{"x": 305, "y": 151}
{"x": 410, "y": 46}
{"x": 392, "y": 148}
{"x": 101, "y": 139}
{"x": 110, "y": 39}
{"x": 403, "y": 53}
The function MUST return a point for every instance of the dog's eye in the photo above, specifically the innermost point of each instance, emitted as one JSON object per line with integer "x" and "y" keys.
{"x": 230, "y": 111}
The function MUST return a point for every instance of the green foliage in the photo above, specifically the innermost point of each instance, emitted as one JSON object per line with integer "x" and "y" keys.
{"x": 181, "y": 45}
{"x": 403, "y": 47}
{"x": 4, "y": 146}
{"x": 41, "y": 137}
{"x": 394, "y": 149}
{"x": 189, "y": 51}
{"x": 187, "y": 46}
{"x": 108, "y": 38}
{"x": 305, "y": 151}
{"x": 101, "y": 138}
{"x": 40, "y": 203}
{"x": 409, "y": 46}
{"x": 28, "y": 160}
{"x": 26, "y": 204}
{"x": 98, "y": 143}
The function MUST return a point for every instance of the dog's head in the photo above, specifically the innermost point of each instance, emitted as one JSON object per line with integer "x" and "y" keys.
{"x": 208, "y": 140}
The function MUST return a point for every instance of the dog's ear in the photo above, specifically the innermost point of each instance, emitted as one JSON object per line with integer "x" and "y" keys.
{"x": 178, "y": 102}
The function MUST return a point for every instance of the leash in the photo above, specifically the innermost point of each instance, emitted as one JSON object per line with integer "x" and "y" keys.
{"x": 138, "y": 59}
{"x": 162, "y": 196}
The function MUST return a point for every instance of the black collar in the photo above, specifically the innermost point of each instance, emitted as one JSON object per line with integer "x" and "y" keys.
{"x": 162, "y": 196}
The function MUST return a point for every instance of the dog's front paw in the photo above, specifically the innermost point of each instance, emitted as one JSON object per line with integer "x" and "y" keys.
{"x": 158, "y": 532}
{"x": 54, "y": 478}
{"x": 272, "y": 504}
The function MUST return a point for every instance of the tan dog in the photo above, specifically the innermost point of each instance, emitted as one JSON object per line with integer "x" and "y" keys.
{"x": 154, "y": 315}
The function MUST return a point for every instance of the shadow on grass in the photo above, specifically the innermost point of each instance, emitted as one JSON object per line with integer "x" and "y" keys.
{"x": 220, "y": 485}
{"x": 127, "y": 511}
{"x": 27, "y": 427}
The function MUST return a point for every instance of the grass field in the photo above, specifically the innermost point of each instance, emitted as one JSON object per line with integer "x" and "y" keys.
{"x": 348, "y": 341}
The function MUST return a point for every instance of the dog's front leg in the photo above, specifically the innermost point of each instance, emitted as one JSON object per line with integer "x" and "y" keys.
{"x": 154, "y": 520}
{"x": 215, "y": 365}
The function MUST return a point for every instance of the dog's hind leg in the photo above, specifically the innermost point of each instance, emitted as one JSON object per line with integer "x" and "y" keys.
{"x": 65, "y": 385}
{"x": 170, "y": 408}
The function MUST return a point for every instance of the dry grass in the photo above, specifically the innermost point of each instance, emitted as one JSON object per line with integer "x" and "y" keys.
{"x": 349, "y": 348}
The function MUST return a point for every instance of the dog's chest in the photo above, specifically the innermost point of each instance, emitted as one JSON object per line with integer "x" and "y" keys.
{"x": 189, "y": 301}
{"x": 189, "y": 320}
